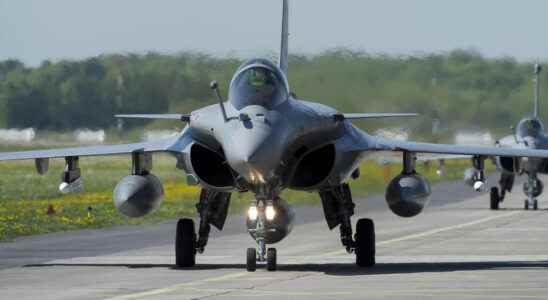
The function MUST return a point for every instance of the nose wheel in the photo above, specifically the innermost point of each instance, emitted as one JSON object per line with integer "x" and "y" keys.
{"x": 271, "y": 259}
{"x": 251, "y": 264}
{"x": 530, "y": 204}
{"x": 253, "y": 257}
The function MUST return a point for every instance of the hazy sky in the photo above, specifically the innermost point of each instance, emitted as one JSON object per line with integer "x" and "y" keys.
{"x": 34, "y": 30}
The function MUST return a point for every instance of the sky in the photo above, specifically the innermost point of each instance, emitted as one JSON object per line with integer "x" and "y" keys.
{"x": 35, "y": 30}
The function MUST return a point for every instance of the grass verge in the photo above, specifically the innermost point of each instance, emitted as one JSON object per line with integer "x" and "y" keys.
{"x": 30, "y": 203}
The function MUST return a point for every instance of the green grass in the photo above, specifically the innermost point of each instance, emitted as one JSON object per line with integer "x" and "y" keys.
{"x": 26, "y": 196}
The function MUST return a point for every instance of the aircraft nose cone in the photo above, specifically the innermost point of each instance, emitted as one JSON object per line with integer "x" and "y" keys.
{"x": 254, "y": 154}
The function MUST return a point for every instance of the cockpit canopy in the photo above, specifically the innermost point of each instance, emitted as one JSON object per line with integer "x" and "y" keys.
{"x": 529, "y": 127}
{"x": 258, "y": 82}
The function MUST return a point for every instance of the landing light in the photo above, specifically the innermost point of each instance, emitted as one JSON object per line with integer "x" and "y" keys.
{"x": 270, "y": 212}
{"x": 256, "y": 177}
{"x": 260, "y": 177}
{"x": 252, "y": 213}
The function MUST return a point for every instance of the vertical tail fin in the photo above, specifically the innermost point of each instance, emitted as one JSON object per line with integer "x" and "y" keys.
{"x": 283, "y": 59}
{"x": 536, "y": 72}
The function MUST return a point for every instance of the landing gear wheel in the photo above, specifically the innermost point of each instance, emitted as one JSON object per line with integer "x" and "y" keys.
{"x": 185, "y": 244}
{"x": 271, "y": 259}
{"x": 535, "y": 204}
{"x": 526, "y": 204}
{"x": 251, "y": 264}
{"x": 495, "y": 199}
{"x": 365, "y": 243}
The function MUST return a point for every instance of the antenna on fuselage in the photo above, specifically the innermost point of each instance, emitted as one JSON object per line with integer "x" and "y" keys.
{"x": 536, "y": 71}
{"x": 215, "y": 87}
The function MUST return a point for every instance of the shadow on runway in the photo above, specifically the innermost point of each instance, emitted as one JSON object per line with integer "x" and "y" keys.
{"x": 343, "y": 269}
{"x": 409, "y": 268}
{"x": 502, "y": 209}
{"x": 129, "y": 266}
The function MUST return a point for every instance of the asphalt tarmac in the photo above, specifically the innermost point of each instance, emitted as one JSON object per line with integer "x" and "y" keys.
{"x": 456, "y": 249}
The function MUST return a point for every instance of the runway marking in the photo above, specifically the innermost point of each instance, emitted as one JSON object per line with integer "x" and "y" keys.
{"x": 170, "y": 289}
{"x": 174, "y": 288}
{"x": 263, "y": 293}
{"x": 432, "y": 232}
{"x": 471, "y": 296}
{"x": 448, "y": 228}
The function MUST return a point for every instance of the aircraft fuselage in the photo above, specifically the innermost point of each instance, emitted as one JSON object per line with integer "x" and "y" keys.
{"x": 265, "y": 147}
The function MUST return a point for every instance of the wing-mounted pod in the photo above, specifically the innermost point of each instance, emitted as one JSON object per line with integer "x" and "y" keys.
{"x": 141, "y": 192}
{"x": 441, "y": 169}
{"x": 71, "y": 178}
{"x": 42, "y": 165}
{"x": 475, "y": 176}
{"x": 408, "y": 193}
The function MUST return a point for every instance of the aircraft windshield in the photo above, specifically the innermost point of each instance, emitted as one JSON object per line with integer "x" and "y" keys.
{"x": 529, "y": 127}
{"x": 257, "y": 86}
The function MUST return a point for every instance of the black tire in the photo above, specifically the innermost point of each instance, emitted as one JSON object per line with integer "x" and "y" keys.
{"x": 365, "y": 243}
{"x": 271, "y": 260}
{"x": 185, "y": 244}
{"x": 535, "y": 204}
{"x": 495, "y": 198}
{"x": 251, "y": 263}
{"x": 526, "y": 205}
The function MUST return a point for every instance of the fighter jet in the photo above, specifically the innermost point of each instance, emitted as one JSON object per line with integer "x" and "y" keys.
{"x": 263, "y": 140}
{"x": 528, "y": 134}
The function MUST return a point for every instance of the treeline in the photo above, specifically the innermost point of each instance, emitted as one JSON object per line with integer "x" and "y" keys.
{"x": 461, "y": 88}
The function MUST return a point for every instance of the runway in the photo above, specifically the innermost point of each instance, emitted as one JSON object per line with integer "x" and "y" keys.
{"x": 456, "y": 249}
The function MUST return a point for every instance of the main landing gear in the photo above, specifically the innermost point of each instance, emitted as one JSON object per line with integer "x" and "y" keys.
{"x": 364, "y": 244}
{"x": 495, "y": 198}
{"x": 506, "y": 183}
{"x": 185, "y": 244}
{"x": 338, "y": 209}
{"x": 213, "y": 208}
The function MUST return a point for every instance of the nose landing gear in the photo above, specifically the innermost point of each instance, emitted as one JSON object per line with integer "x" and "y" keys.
{"x": 260, "y": 214}
{"x": 253, "y": 257}
{"x": 533, "y": 188}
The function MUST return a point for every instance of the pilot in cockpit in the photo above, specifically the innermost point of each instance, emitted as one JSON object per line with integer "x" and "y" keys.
{"x": 257, "y": 86}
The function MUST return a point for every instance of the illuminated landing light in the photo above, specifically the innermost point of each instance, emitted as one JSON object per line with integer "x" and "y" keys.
{"x": 252, "y": 176}
{"x": 260, "y": 177}
{"x": 256, "y": 177}
{"x": 252, "y": 213}
{"x": 270, "y": 212}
